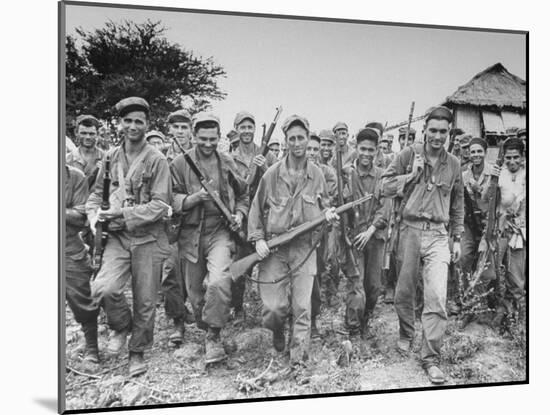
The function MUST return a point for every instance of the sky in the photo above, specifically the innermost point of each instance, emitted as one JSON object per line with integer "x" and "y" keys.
{"x": 325, "y": 71}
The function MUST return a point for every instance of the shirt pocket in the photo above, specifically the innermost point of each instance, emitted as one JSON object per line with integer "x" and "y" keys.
{"x": 310, "y": 207}
{"x": 278, "y": 218}
{"x": 442, "y": 200}
{"x": 141, "y": 187}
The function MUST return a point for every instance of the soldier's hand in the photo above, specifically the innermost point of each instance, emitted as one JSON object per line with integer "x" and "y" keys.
{"x": 363, "y": 238}
{"x": 99, "y": 164}
{"x": 93, "y": 221}
{"x": 259, "y": 160}
{"x": 203, "y": 196}
{"x": 262, "y": 249}
{"x": 331, "y": 216}
{"x": 114, "y": 212}
{"x": 482, "y": 246}
{"x": 474, "y": 186}
{"x": 495, "y": 170}
{"x": 238, "y": 221}
{"x": 457, "y": 252}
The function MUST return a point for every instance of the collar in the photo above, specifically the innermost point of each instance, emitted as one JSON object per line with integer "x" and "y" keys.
{"x": 371, "y": 172}
{"x": 443, "y": 155}
{"x": 283, "y": 169}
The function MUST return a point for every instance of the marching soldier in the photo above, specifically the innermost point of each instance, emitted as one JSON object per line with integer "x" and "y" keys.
{"x": 327, "y": 146}
{"x": 179, "y": 126}
{"x": 341, "y": 133}
{"x": 140, "y": 197}
{"x": 78, "y": 269}
{"x": 435, "y": 203}
{"x": 289, "y": 194}
{"x": 206, "y": 247}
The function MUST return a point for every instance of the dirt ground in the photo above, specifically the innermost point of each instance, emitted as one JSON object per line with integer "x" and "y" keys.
{"x": 473, "y": 355}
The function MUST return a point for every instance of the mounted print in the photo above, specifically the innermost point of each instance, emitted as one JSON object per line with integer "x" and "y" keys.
{"x": 266, "y": 206}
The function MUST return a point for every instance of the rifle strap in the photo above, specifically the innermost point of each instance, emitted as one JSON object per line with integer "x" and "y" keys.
{"x": 300, "y": 265}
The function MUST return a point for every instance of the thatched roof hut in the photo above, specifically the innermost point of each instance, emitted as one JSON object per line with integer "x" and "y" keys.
{"x": 491, "y": 103}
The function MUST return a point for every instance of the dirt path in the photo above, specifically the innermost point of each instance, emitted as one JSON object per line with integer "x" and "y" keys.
{"x": 474, "y": 355}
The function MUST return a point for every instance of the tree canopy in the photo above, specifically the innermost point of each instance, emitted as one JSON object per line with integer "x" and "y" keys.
{"x": 135, "y": 59}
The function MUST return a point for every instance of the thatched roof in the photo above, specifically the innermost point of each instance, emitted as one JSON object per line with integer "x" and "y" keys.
{"x": 494, "y": 87}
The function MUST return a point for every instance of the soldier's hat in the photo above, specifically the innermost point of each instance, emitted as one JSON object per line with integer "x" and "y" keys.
{"x": 367, "y": 133}
{"x": 231, "y": 134}
{"x": 205, "y": 117}
{"x": 179, "y": 116}
{"x": 155, "y": 133}
{"x": 87, "y": 118}
{"x": 513, "y": 143}
{"x": 478, "y": 141}
{"x": 327, "y": 135}
{"x": 403, "y": 131}
{"x": 440, "y": 113}
{"x": 241, "y": 116}
{"x": 126, "y": 105}
{"x": 340, "y": 125}
{"x": 465, "y": 140}
{"x": 377, "y": 126}
{"x": 274, "y": 142}
{"x": 313, "y": 135}
{"x": 295, "y": 119}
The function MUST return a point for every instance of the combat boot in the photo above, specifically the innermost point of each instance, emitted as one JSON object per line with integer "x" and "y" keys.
{"x": 214, "y": 347}
{"x": 117, "y": 341}
{"x": 314, "y": 329}
{"x": 179, "y": 330}
{"x": 91, "y": 353}
{"x": 136, "y": 364}
{"x": 279, "y": 340}
{"x": 389, "y": 295}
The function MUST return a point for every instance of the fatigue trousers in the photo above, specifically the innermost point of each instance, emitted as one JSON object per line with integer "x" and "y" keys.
{"x": 208, "y": 280}
{"x": 514, "y": 276}
{"x": 238, "y": 287}
{"x": 292, "y": 295}
{"x": 127, "y": 258}
{"x": 364, "y": 288}
{"x": 78, "y": 293}
{"x": 327, "y": 274}
{"x": 431, "y": 247}
{"x": 469, "y": 248}
{"x": 173, "y": 285}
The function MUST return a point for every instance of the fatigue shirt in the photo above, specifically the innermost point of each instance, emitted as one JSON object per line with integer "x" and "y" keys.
{"x": 277, "y": 209}
{"x": 482, "y": 181}
{"x": 439, "y": 194}
{"x": 243, "y": 168}
{"x": 76, "y": 194}
{"x": 75, "y": 159}
{"x": 149, "y": 193}
{"x": 233, "y": 193}
{"x": 174, "y": 151}
{"x": 329, "y": 174}
{"x": 375, "y": 211}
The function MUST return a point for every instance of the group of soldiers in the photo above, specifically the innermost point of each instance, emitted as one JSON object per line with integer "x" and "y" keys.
{"x": 166, "y": 230}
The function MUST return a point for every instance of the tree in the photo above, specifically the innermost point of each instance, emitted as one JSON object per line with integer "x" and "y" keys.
{"x": 135, "y": 59}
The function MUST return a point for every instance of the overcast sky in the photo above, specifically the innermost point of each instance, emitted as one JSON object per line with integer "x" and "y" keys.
{"x": 326, "y": 71}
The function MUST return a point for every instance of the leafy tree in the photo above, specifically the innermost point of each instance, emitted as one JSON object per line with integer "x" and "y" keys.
{"x": 135, "y": 59}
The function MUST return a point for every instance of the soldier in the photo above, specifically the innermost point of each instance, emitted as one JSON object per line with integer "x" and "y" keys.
{"x": 275, "y": 147}
{"x": 327, "y": 146}
{"x": 206, "y": 247}
{"x": 246, "y": 154}
{"x": 140, "y": 197}
{"x": 380, "y": 160}
{"x": 464, "y": 142}
{"x": 436, "y": 202}
{"x": 410, "y": 138}
{"x": 327, "y": 261}
{"x": 289, "y": 194}
{"x": 512, "y": 227}
{"x": 368, "y": 224}
{"x": 88, "y": 157}
{"x": 156, "y": 139}
{"x": 341, "y": 133}
{"x": 179, "y": 126}
{"x": 78, "y": 269}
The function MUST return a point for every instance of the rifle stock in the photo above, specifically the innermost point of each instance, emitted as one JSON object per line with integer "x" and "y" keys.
{"x": 240, "y": 267}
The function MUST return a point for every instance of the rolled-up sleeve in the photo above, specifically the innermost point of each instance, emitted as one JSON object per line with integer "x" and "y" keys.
{"x": 395, "y": 177}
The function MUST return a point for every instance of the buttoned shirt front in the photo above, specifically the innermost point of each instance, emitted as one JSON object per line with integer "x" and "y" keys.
{"x": 75, "y": 159}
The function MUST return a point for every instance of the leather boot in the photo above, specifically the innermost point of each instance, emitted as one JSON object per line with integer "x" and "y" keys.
{"x": 214, "y": 347}
{"x": 136, "y": 364}
{"x": 117, "y": 341}
{"x": 279, "y": 340}
{"x": 179, "y": 330}
{"x": 91, "y": 353}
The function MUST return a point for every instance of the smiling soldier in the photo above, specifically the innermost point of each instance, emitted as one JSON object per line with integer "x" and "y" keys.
{"x": 435, "y": 203}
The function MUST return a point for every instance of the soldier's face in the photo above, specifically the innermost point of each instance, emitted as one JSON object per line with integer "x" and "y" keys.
{"x": 275, "y": 150}
{"x": 246, "y": 130}
{"x": 477, "y": 154}
{"x": 436, "y": 133}
{"x": 207, "y": 140}
{"x": 512, "y": 160}
{"x": 409, "y": 141}
{"x": 384, "y": 147}
{"x": 296, "y": 141}
{"x": 157, "y": 143}
{"x": 134, "y": 125}
{"x": 465, "y": 154}
{"x": 327, "y": 148}
{"x": 312, "y": 150}
{"x": 180, "y": 130}
{"x": 342, "y": 135}
{"x": 366, "y": 150}
{"x": 87, "y": 136}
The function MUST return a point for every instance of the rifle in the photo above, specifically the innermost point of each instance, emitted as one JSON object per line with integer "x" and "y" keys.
{"x": 241, "y": 267}
{"x": 254, "y": 175}
{"x": 472, "y": 215}
{"x": 213, "y": 194}
{"x": 491, "y": 233}
{"x": 397, "y": 209}
{"x": 101, "y": 233}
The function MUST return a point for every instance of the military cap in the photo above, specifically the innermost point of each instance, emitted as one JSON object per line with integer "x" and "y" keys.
{"x": 377, "y": 126}
{"x": 313, "y": 135}
{"x": 241, "y": 116}
{"x": 479, "y": 141}
{"x": 465, "y": 140}
{"x": 521, "y": 131}
{"x": 327, "y": 135}
{"x": 179, "y": 116}
{"x": 155, "y": 133}
{"x": 295, "y": 119}
{"x": 441, "y": 112}
{"x": 273, "y": 142}
{"x": 367, "y": 133}
{"x": 205, "y": 117}
{"x": 456, "y": 131}
{"x": 232, "y": 134}
{"x": 513, "y": 143}
{"x": 234, "y": 140}
{"x": 87, "y": 117}
{"x": 339, "y": 125}
{"x": 126, "y": 105}
{"x": 403, "y": 131}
